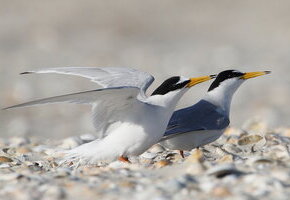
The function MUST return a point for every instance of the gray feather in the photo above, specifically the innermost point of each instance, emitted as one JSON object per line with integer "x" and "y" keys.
{"x": 201, "y": 116}
{"x": 87, "y": 97}
{"x": 106, "y": 76}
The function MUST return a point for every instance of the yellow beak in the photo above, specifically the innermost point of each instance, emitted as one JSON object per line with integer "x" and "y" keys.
{"x": 197, "y": 80}
{"x": 254, "y": 74}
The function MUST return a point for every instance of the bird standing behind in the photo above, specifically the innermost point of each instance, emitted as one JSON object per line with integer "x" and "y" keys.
{"x": 129, "y": 121}
{"x": 205, "y": 121}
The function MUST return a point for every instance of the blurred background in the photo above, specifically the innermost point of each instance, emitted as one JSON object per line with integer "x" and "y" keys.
{"x": 164, "y": 38}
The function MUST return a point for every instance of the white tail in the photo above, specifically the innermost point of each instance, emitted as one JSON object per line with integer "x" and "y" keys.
{"x": 91, "y": 153}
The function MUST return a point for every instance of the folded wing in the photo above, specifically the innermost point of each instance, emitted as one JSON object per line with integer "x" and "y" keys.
{"x": 201, "y": 116}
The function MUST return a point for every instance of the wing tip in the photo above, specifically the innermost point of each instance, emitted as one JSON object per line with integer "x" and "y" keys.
{"x": 27, "y": 72}
{"x": 11, "y": 107}
{"x": 7, "y": 108}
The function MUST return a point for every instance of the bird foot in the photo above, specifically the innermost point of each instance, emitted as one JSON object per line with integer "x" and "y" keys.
{"x": 124, "y": 159}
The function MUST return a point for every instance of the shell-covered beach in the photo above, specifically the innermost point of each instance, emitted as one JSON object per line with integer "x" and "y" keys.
{"x": 253, "y": 163}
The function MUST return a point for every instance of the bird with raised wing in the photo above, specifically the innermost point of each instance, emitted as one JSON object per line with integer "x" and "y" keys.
{"x": 128, "y": 120}
{"x": 205, "y": 121}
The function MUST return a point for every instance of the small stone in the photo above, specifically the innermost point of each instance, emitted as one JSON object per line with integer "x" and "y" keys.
{"x": 87, "y": 137}
{"x": 23, "y": 150}
{"x": 157, "y": 148}
{"x": 149, "y": 155}
{"x": 118, "y": 164}
{"x": 4, "y": 165}
{"x": 252, "y": 142}
{"x": 62, "y": 172}
{"x": 232, "y": 148}
{"x": 71, "y": 142}
{"x": 10, "y": 176}
{"x": 196, "y": 156}
{"x": 128, "y": 184}
{"x": 221, "y": 192}
{"x": 260, "y": 162}
{"x": 251, "y": 139}
{"x": 232, "y": 140}
{"x": 91, "y": 171}
{"x": 226, "y": 159}
{"x": 223, "y": 170}
{"x": 4, "y": 159}
{"x": 162, "y": 163}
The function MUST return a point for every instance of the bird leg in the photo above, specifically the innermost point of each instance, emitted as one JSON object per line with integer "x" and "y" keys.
{"x": 181, "y": 153}
{"x": 124, "y": 159}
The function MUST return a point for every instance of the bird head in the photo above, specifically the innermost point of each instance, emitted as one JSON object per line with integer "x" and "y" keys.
{"x": 224, "y": 86}
{"x": 179, "y": 83}
{"x": 230, "y": 80}
{"x": 172, "y": 89}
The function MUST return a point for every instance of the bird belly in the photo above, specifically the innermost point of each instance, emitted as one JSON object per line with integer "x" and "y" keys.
{"x": 137, "y": 131}
{"x": 191, "y": 140}
{"x": 132, "y": 139}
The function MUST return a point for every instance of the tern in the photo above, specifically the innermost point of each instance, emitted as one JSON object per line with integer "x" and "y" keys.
{"x": 205, "y": 121}
{"x": 128, "y": 121}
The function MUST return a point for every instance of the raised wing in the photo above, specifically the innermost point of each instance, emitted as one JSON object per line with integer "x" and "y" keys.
{"x": 106, "y": 76}
{"x": 87, "y": 97}
{"x": 201, "y": 116}
{"x": 109, "y": 104}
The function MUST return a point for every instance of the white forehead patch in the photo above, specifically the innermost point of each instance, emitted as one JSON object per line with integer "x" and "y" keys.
{"x": 236, "y": 71}
{"x": 182, "y": 79}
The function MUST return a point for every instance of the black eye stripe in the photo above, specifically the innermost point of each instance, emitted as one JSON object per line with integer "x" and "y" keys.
{"x": 170, "y": 84}
{"x": 224, "y": 75}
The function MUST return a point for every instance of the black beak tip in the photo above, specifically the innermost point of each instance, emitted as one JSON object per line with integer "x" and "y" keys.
{"x": 268, "y": 72}
{"x": 213, "y": 76}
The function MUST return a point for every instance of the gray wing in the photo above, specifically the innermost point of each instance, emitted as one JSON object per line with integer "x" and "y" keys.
{"x": 109, "y": 104}
{"x": 201, "y": 116}
{"x": 106, "y": 76}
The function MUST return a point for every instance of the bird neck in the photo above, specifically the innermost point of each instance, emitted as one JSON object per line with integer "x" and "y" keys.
{"x": 222, "y": 97}
{"x": 168, "y": 100}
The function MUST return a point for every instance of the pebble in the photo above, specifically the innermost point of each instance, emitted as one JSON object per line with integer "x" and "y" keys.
{"x": 162, "y": 163}
{"x": 157, "y": 148}
{"x": 148, "y": 155}
{"x": 71, "y": 142}
{"x": 196, "y": 156}
{"x": 9, "y": 177}
{"x": 221, "y": 192}
{"x": 226, "y": 159}
{"x": 23, "y": 150}
{"x": 251, "y": 142}
{"x": 220, "y": 171}
{"x": 4, "y": 159}
{"x": 87, "y": 138}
